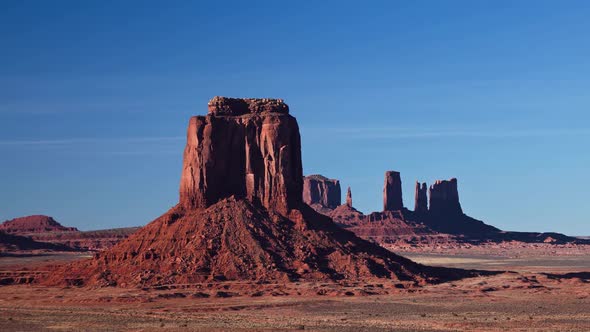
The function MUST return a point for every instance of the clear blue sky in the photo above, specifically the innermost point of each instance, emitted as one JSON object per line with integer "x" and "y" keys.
{"x": 95, "y": 97}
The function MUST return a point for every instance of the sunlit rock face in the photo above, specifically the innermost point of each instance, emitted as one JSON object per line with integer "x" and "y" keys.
{"x": 245, "y": 148}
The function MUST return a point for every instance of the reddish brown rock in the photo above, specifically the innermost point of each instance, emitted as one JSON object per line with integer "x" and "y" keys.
{"x": 241, "y": 217}
{"x": 16, "y": 243}
{"x": 34, "y": 224}
{"x": 240, "y": 106}
{"x": 421, "y": 199}
{"x": 392, "y": 192}
{"x": 349, "y": 197}
{"x": 47, "y": 230}
{"x": 245, "y": 148}
{"x": 318, "y": 189}
{"x": 444, "y": 198}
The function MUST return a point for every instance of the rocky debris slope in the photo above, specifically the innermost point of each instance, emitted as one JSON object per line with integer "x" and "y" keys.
{"x": 241, "y": 216}
{"x": 321, "y": 193}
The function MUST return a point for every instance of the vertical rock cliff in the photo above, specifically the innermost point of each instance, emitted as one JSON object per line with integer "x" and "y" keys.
{"x": 392, "y": 192}
{"x": 444, "y": 198}
{"x": 318, "y": 189}
{"x": 421, "y": 199}
{"x": 245, "y": 148}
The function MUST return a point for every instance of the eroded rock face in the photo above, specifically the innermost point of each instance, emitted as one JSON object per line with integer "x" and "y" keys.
{"x": 392, "y": 192}
{"x": 241, "y": 217}
{"x": 349, "y": 197}
{"x": 245, "y": 148}
{"x": 421, "y": 199}
{"x": 239, "y": 106}
{"x": 444, "y": 198}
{"x": 318, "y": 189}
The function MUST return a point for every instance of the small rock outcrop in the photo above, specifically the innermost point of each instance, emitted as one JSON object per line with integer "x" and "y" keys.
{"x": 444, "y": 198}
{"x": 245, "y": 148}
{"x": 349, "y": 197}
{"x": 392, "y": 192}
{"x": 318, "y": 189}
{"x": 33, "y": 225}
{"x": 421, "y": 199}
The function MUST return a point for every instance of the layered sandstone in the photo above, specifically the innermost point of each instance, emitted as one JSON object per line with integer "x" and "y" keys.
{"x": 392, "y": 192}
{"x": 318, "y": 189}
{"x": 241, "y": 217}
{"x": 421, "y": 199}
{"x": 444, "y": 198}
{"x": 248, "y": 148}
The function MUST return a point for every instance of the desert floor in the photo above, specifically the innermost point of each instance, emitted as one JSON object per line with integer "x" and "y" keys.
{"x": 523, "y": 300}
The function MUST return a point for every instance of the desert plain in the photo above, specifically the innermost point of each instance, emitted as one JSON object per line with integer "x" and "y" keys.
{"x": 542, "y": 290}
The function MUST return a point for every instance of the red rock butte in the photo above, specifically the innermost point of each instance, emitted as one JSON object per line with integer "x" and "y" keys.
{"x": 247, "y": 148}
{"x": 392, "y": 192}
{"x": 320, "y": 190}
{"x": 241, "y": 216}
{"x": 34, "y": 224}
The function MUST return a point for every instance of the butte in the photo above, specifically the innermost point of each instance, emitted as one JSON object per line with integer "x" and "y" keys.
{"x": 241, "y": 217}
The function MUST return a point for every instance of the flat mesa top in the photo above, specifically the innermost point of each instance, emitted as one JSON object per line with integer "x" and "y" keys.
{"x": 240, "y": 106}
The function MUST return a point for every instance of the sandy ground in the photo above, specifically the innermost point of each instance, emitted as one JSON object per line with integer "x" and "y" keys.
{"x": 517, "y": 301}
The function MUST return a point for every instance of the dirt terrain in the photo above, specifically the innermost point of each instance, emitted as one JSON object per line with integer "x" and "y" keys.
{"x": 516, "y": 301}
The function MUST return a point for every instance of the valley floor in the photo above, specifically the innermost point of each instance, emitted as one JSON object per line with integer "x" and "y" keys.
{"x": 525, "y": 300}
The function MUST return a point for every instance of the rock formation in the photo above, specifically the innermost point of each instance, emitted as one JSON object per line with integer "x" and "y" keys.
{"x": 421, "y": 199}
{"x": 392, "y": 192}
{"x": 444, "y": 198}
{"x": 47, "y": 230}
{"x": 33, "y": 225}
{"x": 348, "y": 198}
{"x": 17, "y": 243}
{"x": 246, "y": 148}
{"x": 318, "y": 189}
{"x": 241, "y": 216}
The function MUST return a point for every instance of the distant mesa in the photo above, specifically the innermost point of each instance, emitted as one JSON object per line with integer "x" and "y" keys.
{"x": 54, "y": 236}
{"x": 241, "y": 216}
{"x": 34, "y": 224}
{"x": 321, "y": 192}
{"x": 444, "y": 197}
